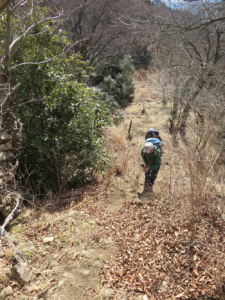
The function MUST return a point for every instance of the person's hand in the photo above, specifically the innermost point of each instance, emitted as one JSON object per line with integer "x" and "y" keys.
{"x": 147, "y": 169}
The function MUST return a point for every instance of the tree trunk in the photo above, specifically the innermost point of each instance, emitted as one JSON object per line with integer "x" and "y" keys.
{"x": 184, "y": 117}
{"x": 5, "y": 72}
{"x": 174, "y": 111}
{"x": 187, "y": 108}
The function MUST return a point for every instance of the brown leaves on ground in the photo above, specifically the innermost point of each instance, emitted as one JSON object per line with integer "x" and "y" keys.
{"x": 157, "y": 255}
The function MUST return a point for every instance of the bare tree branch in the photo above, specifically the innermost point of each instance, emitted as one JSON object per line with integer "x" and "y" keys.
{"x": 10, "y": 216}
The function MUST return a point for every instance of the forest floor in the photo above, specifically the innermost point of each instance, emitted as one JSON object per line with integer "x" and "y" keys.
{"x": 106, "y": 243}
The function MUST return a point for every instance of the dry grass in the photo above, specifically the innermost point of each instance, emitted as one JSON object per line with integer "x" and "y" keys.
{"x": 191, "y": 178}
{"x": 141, "y": 74}
{"x": 126, "y": 158}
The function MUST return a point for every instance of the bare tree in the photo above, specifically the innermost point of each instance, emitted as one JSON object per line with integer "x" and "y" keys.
{"x": 191, "y": 42}
{"x": 104, "y": 30}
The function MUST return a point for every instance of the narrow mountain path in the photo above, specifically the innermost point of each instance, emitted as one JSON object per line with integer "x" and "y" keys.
{"x": 140, "y": 250}
{"x": 100, "y": 247}
{"x": 148, "y": 97}
{"x": 120, "y": 192}
{"x": 68, "y": 267}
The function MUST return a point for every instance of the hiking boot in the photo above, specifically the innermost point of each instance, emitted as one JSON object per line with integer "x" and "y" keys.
{"x": 147, "y": 188}
{"x": 141, "y": 195}
{"x": 146, "y": 194}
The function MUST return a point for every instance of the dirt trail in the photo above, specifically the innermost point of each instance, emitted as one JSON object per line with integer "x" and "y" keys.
{"x": 148, "y": 96}
{"x": 140, "y": 249}
{"x": 155, "y": 116}
{"x": 71, "y": 264}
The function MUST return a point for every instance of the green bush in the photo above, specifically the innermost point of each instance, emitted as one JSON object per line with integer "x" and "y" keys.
{"x": 118, "y": 82}
{"x": 63, "y": 118}
{"x": 67, "y": 121}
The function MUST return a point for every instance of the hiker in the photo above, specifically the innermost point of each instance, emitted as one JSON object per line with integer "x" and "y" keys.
{"x": 152, "y": 133}
{"x": 149, "y": 133}
{"x": 152, "y": 159}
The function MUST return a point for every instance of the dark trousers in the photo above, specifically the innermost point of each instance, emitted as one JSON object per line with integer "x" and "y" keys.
{"x": 150, "y": 177}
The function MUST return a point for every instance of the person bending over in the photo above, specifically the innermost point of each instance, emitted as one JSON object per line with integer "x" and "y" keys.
{"x": 152, "y": 159}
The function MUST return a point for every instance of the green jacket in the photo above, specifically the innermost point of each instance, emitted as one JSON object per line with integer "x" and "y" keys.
{"x": 154, "y": 159}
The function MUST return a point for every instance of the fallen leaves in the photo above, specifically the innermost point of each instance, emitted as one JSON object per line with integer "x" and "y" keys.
{"x": 157, "y": 257}
{"x": 180, "y": 295}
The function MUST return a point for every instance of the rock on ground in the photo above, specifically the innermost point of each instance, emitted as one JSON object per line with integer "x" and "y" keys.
{"x": 47, "y": 240}
{"x": 6, "y": 291}
{"x": 21, "y": 273}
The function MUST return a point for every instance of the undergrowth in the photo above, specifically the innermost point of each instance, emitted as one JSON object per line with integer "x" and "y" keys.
{"x": 126, "y": 158}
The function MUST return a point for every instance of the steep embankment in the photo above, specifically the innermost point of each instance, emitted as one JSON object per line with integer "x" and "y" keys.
{"x": 107, "y": 244}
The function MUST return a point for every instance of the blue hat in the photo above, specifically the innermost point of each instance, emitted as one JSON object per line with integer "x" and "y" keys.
{"x": 156, "y": 133}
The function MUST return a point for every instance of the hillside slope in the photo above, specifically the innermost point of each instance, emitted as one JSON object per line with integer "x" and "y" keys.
{"x": 105, "y": 243}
